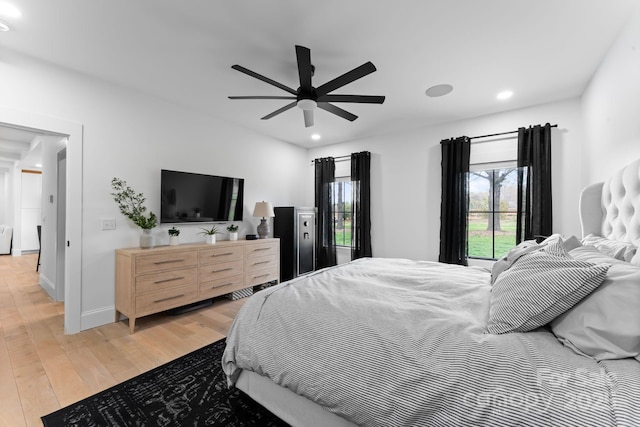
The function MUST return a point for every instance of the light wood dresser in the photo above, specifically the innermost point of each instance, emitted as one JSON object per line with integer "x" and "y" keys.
{"x": 149, "y": 281}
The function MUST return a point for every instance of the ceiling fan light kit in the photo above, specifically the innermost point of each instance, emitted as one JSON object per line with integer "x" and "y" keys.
{"x": 307, "y": 97}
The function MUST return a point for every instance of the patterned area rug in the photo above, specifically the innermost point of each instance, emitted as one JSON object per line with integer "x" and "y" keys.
{"x": 191, "y": 390}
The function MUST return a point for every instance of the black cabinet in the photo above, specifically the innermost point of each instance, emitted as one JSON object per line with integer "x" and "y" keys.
{"x": 296, "y": 229}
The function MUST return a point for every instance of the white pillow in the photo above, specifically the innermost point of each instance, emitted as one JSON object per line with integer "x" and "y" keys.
{"x": 568, "y": 243}
{"x": 624, "y": 251}
{"x": 606, "y": 324}
{"x": 529, "y": 246}
{"x": 538, "y": 287}
{"x": 507, "y": 261}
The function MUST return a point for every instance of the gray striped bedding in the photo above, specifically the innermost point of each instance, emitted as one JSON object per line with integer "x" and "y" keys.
{"x": 392, "y": 342}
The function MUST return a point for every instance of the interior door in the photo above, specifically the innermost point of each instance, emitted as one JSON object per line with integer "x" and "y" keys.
{"x": 61, "y": 223}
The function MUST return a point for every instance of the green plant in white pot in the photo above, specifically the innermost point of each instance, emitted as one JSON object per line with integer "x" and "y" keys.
{"x": 233, "y": 232}
{"x": 210, "y": 234}
{"x": 174, "y": 238}
{"x": 131, "y": 205}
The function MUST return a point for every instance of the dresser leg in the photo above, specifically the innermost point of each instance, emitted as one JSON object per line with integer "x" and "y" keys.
{"x": 132, "y": 324}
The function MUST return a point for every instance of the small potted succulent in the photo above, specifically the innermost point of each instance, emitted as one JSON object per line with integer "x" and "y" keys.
{"x": 233, "y": 232}
{"x": 173, "y": 236}
{"x": 210, "y": 234}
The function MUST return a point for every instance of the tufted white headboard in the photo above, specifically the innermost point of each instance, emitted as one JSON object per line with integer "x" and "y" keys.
{"x": 612, "y": 209}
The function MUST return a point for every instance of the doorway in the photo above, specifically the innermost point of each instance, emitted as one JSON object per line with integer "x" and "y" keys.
{"x": 71, "y": 236}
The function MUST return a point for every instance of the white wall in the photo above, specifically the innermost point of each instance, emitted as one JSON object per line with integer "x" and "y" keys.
{"x": 612, "y": 106}
{"x": 30, "y": 210}
{"x": 132, "y": 136}
{"x": 4, "y": 197}
{"x": 406, "y": 175}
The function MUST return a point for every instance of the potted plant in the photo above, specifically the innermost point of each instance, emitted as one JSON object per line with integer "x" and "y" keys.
{"x": 173, "y": 236}
{"x": 233, "y": 232}
{"x": 131, "y": 205}
{"x": 210, "y": 234}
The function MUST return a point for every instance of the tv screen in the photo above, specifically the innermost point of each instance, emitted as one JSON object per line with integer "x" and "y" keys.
{"x": 194, "y": 197}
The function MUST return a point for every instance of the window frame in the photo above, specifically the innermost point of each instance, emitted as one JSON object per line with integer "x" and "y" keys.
{"x": 345, "y": 212}
{"x": 488, "y": 166}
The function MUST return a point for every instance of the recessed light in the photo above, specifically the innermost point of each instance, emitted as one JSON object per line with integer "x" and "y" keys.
{"x": 439, "y": 90}
{"x": 9, "y": 10}
{"x": 38, "y": 165}
{"x": 315, "y": 137}
{"x": 4, "y": 27}
{"x": 505, "y": 94}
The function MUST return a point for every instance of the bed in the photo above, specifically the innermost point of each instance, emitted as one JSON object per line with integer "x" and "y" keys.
{"x": 550, "y": 336}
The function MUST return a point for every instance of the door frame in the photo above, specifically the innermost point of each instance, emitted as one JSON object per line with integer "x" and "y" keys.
{"x": 73, "y": 252}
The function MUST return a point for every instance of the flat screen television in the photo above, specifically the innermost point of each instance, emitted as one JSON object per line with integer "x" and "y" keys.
{"x": 194, "y": 197}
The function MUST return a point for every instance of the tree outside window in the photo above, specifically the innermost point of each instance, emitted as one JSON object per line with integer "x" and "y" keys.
{"x": 492, "y": 212}
{"x": 342, "y": 212}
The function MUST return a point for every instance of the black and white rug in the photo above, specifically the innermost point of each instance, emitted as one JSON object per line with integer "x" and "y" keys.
{"x": 189, "y": 391}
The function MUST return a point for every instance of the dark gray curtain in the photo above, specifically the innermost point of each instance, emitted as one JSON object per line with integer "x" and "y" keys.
{"x": 361, "y": 204}
{"x": 325, "y": 173}
{"x": 454, "y": 203}
{"x": 534, "y": 183}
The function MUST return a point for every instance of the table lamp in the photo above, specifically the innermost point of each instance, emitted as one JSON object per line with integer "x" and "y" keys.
{"x": 265, "y": 210}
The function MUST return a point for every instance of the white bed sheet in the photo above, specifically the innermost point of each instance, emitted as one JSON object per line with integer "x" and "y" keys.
{"x": 399, "y": 342}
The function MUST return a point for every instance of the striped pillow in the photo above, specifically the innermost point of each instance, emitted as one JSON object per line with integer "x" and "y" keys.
{"x": 539, "y": 287}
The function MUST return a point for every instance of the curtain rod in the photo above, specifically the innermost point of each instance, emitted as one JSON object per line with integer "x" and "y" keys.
{"x": 502, "y": 133}
{"x": 337, "y": 159}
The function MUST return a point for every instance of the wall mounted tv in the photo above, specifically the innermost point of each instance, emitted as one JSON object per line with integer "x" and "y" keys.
{"x": 194, "y": 197}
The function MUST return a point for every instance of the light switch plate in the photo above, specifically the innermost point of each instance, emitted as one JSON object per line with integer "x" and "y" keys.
{"x": 108, "y": 224}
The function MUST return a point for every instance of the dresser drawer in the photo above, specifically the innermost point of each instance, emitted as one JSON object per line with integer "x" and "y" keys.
{"x": 214, "y": 288}
{"x": 219, "y": 271}
{"x": 165, "y": 280}
{"x": 165, "y": 261}
{"x": 165, "y": 299}
{"x": 262, "y": 249}
{"x": 261, "y": 262}
{"x": 259, "y": 276}
{"x": 224, "y": 254}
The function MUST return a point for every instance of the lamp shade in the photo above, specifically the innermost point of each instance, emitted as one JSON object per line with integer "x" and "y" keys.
{"x": 264, "y": 210}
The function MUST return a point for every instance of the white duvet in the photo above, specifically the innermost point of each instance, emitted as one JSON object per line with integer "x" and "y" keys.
{"x": 391, "y": 342}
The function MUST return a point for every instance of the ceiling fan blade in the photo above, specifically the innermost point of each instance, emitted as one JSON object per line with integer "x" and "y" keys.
{"x": 363, "y": 99}
{"x": 280, "y": 110}
{"x": 308, "y": 118}
{"x": 264, "y": 79}
{"x": 337, "y": 111}
{"x": 346, "y": 78}
{"x": 304, "y": 68}
{"x": 263, "y": 97}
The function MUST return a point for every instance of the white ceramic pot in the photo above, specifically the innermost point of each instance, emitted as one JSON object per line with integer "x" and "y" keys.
{"x": 174, "y": 240}
{"x": 146, "y": 239}
{"x": 211, "y": 239}
{"x": 233, "y": 235}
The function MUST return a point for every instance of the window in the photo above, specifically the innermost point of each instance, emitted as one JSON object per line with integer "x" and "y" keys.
{"x": 342, "y": 211}
{"x": 493, "y": 200}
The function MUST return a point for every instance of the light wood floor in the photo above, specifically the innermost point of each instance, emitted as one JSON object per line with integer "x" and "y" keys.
{"x": 42, "y": 369}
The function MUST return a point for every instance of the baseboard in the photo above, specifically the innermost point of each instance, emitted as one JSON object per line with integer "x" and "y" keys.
{"x": 98, "y": 317}
{"x": 48, "y": 286}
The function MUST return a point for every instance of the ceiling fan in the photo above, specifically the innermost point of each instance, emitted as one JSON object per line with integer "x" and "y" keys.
{"x": 307, "y": 97}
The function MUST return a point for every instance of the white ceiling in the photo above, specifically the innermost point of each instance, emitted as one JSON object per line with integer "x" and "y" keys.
{"x": 19, "y": 146}
{"x": 182, "y": 51}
